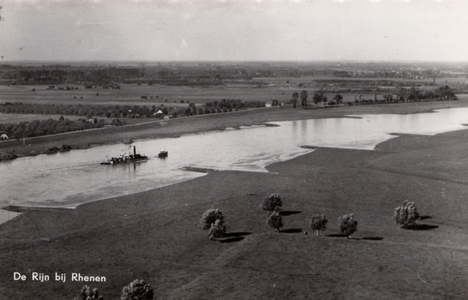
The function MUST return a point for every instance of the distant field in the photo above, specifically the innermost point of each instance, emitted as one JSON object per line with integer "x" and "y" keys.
{"x": 131, "y": 95}
{"x": 279, "y": 88}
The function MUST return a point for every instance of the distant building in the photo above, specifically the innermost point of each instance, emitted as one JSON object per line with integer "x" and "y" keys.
{"x": 4, "y": 137}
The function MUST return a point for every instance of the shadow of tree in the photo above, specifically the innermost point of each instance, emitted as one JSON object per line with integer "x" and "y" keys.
{"x": 230, "y": 234}
{"x": 232, "y": 240}
{"x": 425, "y": 217}
{"x": 369, "y": 238}
{"x": 372, "y": 238}
{"x": 289, "y": 212}
{"x": 292, "y": 230}
{"x": 422, "y": 227}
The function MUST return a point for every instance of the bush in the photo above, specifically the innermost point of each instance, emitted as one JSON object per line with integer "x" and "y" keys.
{"x": 347, "y": 225}
{"x": 406, "y": 215}
{"x": 137, "y": 290}
{"x": 217, "y": 229}
{"x": 271, "y": 201}
{"x": 318, "y": 223}
{"x": 275, "y": 220}
{"x": 88, "y": 294}
{"x": 213, "y": 219}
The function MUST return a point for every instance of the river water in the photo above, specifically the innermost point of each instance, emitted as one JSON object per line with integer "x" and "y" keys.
{"x": 75, "y": 177}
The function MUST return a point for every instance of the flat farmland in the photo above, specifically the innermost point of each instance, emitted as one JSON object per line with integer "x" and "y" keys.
{"x": 263, "y": 89}
{"x": 132, "y": 95}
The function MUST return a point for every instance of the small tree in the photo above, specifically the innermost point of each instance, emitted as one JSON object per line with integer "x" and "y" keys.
{"x": 271, "y": 201}
{"x": 318, "y": 223}
{"x": 275, "y": 220}
{"x": 213, "y": 219}
{"x": 295, "y": 96}
{"x": 347, "y": 224}
{"x": 406, "y": 215}
{"x": 304, "y": 95}
{"x": 217, "y": 229}
{"x": 338, "y": 98}
{"x": 137, "y": 290}
{"x": 89, "y": 294}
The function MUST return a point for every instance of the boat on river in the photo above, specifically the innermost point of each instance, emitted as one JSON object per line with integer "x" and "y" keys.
{"x": 126, "y": 158}
{"x": 163, "y": 154}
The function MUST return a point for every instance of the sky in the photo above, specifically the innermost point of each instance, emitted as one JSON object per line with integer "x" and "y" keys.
{"x": 234, "y": 30}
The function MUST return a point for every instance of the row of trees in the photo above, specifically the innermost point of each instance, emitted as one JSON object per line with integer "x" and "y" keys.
{"x": 213, "y": 219}
{"x": 319, "y": 96}
{"x": 57, "y": 76}
{"x": 234, "y": 104}
{"x": 347, "y": 224}
{"x": 108, "y": 111}
{"x": 136, "y": 290}
{"x": 398, "y": 94}
{"x": 127, "y": 111}
{"x": 46, "y": 127}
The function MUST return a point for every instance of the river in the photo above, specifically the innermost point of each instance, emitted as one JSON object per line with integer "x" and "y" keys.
{"x": 72, "y": 178}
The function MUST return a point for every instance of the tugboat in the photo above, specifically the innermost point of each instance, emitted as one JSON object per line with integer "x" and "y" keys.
{"x": 162, "y": 154}
{"x": 126, "y": 158}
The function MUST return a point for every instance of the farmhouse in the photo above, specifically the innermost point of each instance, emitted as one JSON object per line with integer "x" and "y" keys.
{"x": 4, "y": 137}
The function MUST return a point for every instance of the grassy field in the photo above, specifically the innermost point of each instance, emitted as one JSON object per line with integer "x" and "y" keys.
{"x": 131, "y": 95}
{"x": 280, "y": 89}
{"x": 154, "y": 236}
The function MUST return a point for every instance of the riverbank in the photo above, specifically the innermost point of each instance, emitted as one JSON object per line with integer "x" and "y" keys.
{"x": 153, "y": 235}
{"x": 202, "y": 123}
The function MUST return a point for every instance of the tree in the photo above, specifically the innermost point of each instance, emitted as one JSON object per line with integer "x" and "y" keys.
{"x": 88, "y": 294}
{"x": 295, "y": 96}
{"x": 217, "y": 229}
{"x": 271, "y": 201}
{"x": 275, "y": 220}
{"x": 304, "y": 96}
{"x": 347, "y": 225}
{"x": 137, "y": 290}
{"x": 338, "y": 98}
{"x": 319, "y": 97}
{"x": 406, "y": 215}
{"x": 318, "y": 223}
{"x": 213, "y": 219}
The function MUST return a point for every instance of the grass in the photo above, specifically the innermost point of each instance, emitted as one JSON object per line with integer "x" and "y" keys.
{"x": 131, "y": 95}
{"x": 154, "y": 236}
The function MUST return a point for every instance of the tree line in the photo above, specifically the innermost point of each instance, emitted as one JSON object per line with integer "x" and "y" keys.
{"x": 46, "y": 127}
{"x": 212, "y": 220}
{"x": 128, "y": 111}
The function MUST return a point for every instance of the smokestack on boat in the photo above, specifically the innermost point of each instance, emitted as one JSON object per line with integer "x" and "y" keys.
{"x": 134, "y": 151}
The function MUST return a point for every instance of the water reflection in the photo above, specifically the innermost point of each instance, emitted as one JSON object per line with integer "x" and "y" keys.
{"x": 68, "y": 179}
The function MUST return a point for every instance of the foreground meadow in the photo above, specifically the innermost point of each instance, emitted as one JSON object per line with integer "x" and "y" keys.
{"x": 154, "y": 236}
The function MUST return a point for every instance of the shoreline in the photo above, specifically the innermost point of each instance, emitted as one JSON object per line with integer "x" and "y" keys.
{"x": 204, "y": 123}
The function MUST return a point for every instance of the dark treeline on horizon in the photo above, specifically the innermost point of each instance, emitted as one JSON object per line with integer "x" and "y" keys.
{"x": 214, "y": 73}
